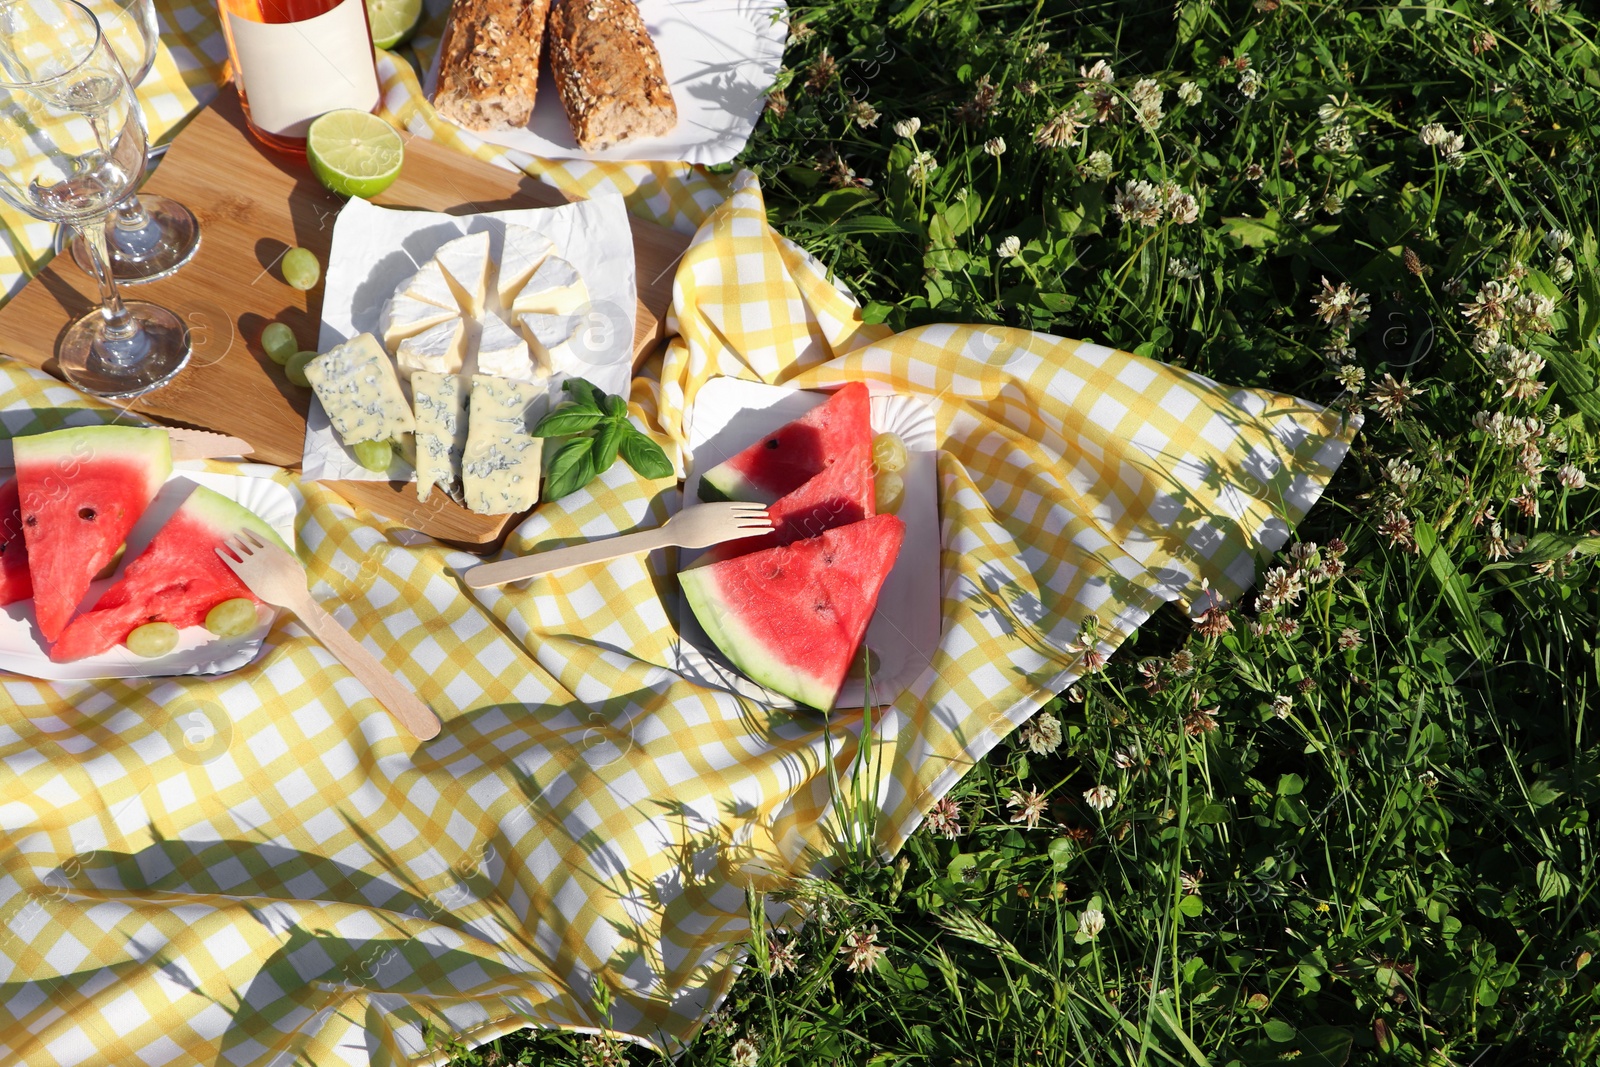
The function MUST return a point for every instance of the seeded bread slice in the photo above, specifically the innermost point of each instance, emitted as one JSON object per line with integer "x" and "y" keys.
{"x": 608, "y": 73}
{"x": 489, "y": 62}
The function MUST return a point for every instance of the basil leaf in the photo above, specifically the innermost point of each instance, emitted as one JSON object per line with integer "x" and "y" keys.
{"x": 616, "y": 409}
{"x": 571, "y": 470}
{"x": 605, "y": 444}
{"x": 584, "y": 393}
{"x": 644, "y": 455}
{"x": 566, "y": 421}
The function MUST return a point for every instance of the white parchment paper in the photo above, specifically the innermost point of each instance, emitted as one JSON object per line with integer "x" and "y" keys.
{"x": 376, "y": 248}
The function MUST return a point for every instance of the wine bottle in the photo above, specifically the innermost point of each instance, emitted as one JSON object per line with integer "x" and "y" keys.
{"x": 293, "y": 60}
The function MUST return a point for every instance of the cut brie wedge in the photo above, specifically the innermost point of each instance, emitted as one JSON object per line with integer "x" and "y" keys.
{"x": 406, "y": 316}
{"x": 441, "y": 349}
{"x": 559, "y": 343}
{"x": 429, "y": 286}
{"x": 502, "y": 352}
{"x": 465, "y": 262}
{"x": 522, "y": 252}
{"x": 554, "y": 288}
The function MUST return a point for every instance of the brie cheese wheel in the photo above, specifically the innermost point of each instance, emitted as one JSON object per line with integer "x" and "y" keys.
{"x": 429, "y": 286}
{"x": 465, "y": 262}
{"x": 554, "y": 288}
{"x": 441, "y": 349}
{"x": 406, "y": 316}
{"x": 357, "y": 386}
{"x": 522, "y": 252}
{"x": 502, "y": 352}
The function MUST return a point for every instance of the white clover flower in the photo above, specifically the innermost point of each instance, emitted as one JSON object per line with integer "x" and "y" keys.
{"x": 1100, "y": 797}
{"x": 1183, "y": 208}
{"x": 907, "y": 127}
{"x": 995, "y": 146}
{"x": 1182, "y": 269}
{"x": 1060, "y": 130}
{"x": 1352, "y": 377}
{"x": 1544, "y": 7}
{"x": 1091, "y": 922}
{"x": 1146, "y": 97}
{"x": 1043, "y": 734}
{"x": 1189, "y": 93}
{"x": 1282, "y": 705}
{"x": 1009, "y": 247}
{"x": 1100, "y": 72}
{"x": 863, "y": 113}
{"x": 1097, "y": 168}
{"x": 1336, "y": 140}
{"x": 1561, "y": 270}
{"x": 1557, "y": 241}
{"x": 1341, "y": 306}
{"x": 921, "y": 166}
{"x": 1334, "y": 111}
{"x": 1435, "y": 135}
{"x": 1571, "y": 477}
{"x": 1138, "y": 202}
{"x": 1250, "y": 84}
{"x": 745, "y": 1053}
{"x": 1403, "y": 473}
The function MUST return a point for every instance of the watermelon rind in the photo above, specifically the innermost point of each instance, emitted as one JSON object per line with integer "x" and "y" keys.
{"x": 744, "y": 648}
{"x": 77, "y": 445}
{"x": 229, "y": 516}
{"x": 755, "y": 475}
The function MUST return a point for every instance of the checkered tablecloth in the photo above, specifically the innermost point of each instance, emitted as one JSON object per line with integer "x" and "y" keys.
{"x": 305, "y": 885}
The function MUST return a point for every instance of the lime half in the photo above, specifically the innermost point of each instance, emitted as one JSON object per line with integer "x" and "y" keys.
{"x": 393, "y": 20}
{"x": 354, "y": 153}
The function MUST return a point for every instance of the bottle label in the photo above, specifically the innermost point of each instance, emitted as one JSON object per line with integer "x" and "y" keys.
{"x": 292, "y": 72}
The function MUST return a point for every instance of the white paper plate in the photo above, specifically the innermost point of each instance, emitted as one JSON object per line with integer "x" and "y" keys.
{"x": 22, "y": 647}
{"x": 720, "y": 57}
{"x": 731, "y": 414}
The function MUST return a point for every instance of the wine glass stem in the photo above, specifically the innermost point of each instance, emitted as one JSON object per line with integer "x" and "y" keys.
{"x": 119, "y": 324}
{"x": 130, "y": 214}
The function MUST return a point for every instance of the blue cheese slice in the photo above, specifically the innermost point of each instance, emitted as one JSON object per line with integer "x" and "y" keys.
{"x": 554, "y": 288}
{"x": 406, "y": 316}
{"x": 358, "y": 388}
{"x": 439, "y": 402}
{"x": 522, "y": 250}
{"x": 501, "y": 464}
{"x": 429, "y": 286}
{"x": 465, "y": 262}
{"x": 502, "y": 353}
{"x": 441, "y": 349}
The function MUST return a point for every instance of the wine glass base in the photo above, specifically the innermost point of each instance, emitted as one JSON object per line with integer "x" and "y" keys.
{"x": 120, "y": 369}
{"x": 166, "y": 244}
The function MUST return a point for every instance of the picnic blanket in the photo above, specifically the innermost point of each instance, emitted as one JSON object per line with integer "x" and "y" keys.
{"x": 259, "y": 869}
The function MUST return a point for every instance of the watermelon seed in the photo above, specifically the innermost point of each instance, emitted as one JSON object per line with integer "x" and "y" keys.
{"x": 772, "y": 442}
{"x": 32, "y": 520}
{"x": 86, "y": 514}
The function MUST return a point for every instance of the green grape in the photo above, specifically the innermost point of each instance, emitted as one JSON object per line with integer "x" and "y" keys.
{"x": 890, "y": 490}
{"x": 295, "y": 369}
{"x": 889, "y": 452}
{"x": 232, "y": 618}
{"x": 300, "y": 268}
{"x": 374, "y": 455}
{"x": 279, "y": 341}
{"x": 153, "y": 639}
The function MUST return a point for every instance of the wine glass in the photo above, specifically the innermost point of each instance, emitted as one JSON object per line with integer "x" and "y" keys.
{"x": 72, "y": 144}
{"x": 150, "y": 236}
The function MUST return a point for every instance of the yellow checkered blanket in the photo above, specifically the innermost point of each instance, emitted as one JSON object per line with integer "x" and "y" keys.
{"x": 309, "y": 886}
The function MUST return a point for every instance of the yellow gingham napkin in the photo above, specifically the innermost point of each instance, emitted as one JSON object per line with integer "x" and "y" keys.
{"x": 258, "y": 869}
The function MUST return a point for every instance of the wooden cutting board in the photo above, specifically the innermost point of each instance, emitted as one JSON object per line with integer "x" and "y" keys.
{"x": 253, "y": 204}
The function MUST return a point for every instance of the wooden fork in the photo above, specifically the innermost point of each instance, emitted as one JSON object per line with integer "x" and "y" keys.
{"x": 696, "y": 526}
{"x": 277, "y": 577}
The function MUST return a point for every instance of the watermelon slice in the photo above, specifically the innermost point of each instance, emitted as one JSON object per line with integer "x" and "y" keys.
{"x": 15, "y": 584}
{"x": 178, "y": 578}
{"x": 792, "y": 617}
{"x": 792, "y": 455}
{"x": 842, "y": 494}
{"x": 81, "y": 491}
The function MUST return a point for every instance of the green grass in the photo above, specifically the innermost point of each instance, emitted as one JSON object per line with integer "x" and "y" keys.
{"x": 1355, "y": 827}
